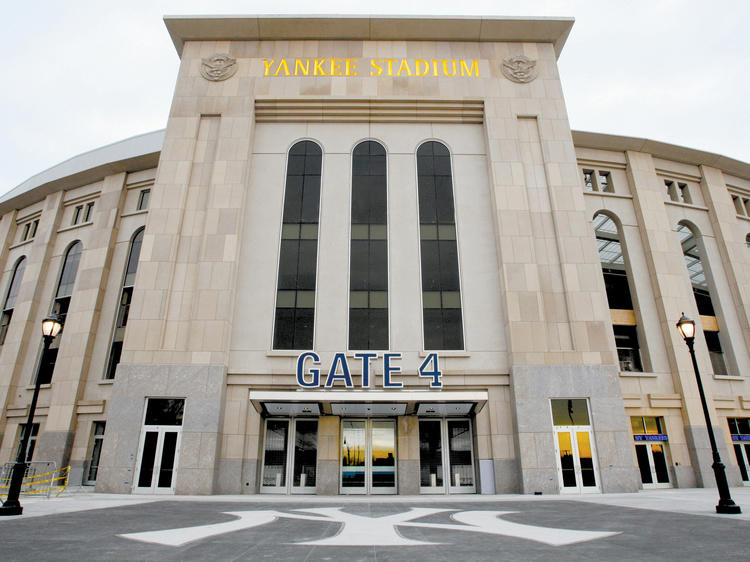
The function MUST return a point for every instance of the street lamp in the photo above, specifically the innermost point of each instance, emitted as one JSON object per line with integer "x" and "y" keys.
{"x": 725, "y": 505}
{"x": 51, "y": 326}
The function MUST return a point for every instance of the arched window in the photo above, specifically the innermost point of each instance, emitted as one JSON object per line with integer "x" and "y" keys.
{"x": 123, "y": 308}
{"x": 60, "y": 307}
{"x": 368, "y": 280}
{"x": 10, "y": 298}
{"x": 692, "y": 252}
{"x": 298, "y": 257}
{"x": 614, "y": 270}
{"x": 441, "y": 290}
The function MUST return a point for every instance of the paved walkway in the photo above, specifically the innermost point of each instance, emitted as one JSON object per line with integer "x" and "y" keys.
{"x": 649, "y": 525}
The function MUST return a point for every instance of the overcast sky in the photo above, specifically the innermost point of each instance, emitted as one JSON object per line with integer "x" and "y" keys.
{"x": 81, "y": 74}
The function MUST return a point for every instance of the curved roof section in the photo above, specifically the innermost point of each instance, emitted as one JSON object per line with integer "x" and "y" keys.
{"x": 142, "y": 152}
{"x": 368, "y": 28}
{"x": 136, "y": 153}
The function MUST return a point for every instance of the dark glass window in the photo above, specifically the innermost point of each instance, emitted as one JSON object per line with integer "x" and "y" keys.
{"x": 123, "y": 309}
{"x": 441, "y": 291}
{"x": 60, "y": 307}
{"x": 143, "y": 198}
{"x": 368, "y": 279}
{"x": 298, "y": 257}
{"x": 88, "y": 215}
{"x": 692, "y": 254}
{"x": 164, "y": 411}
{"x": 10, "y": 299}
{"x": 31, "y": 445}
{"x": 628, "y": 350}
{"x": 96, "y": 451}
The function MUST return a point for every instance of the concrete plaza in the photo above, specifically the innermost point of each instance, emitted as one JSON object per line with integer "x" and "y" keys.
{"x": 653, "y": 525}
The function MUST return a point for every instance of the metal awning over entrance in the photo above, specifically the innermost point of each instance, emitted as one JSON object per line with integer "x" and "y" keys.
{"x": 368, "y": 403}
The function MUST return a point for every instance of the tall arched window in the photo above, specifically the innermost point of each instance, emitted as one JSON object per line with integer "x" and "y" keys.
{"x": 441, "y": 290}
{"x": 692, "y": 253}
{"x": 298, "y": 257}
{"x": 614, "y": 270}
{"x": 368, "y": 281}
{"x": 60, "y": 307}
{"x": 10, "y": 298}
{"x": 123, "y": 308}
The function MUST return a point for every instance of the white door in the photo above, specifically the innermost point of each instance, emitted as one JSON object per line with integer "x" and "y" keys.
{"x": 576, "y": 459}
{"x": 653, "y": 464}
{"x": 159, "y": 448}
{"x": 368, "y": 456}
{"x": 158, "y": 454}
{"x": 446, "y": 457}
{"x": 290, "y": 454}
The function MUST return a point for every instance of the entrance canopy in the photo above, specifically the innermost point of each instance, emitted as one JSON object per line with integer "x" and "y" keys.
{"x": 368, "y": 403}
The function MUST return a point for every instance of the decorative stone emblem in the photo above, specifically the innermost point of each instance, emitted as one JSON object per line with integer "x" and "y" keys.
{"x": 218, "y": 67}
{"x": 519, "y": 69}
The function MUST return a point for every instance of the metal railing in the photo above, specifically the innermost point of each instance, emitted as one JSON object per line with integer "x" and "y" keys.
{"x": 42, "y": 478}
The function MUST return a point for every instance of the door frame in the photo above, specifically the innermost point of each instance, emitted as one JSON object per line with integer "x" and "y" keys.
{"x": 368, "y": 489}
{"x": 579, "y": 488}
{"x": 652, "y": 467}
{"x": 161, "y": 430}
{"x": 289, "y": 487}
{"x": 447, "y": 488}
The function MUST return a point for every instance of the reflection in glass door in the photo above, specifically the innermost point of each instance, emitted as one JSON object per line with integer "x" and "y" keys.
{"x": 290, "y": 457}
{"x": 652, "y": 462}
{"x": 159, "y": 446}
{"x": 574, "y": 447}
{"x": 446, "y": 445}
{"x": 368, "y": 456}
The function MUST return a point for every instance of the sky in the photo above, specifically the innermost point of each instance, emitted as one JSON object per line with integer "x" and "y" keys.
{"x": 78, "y": 75}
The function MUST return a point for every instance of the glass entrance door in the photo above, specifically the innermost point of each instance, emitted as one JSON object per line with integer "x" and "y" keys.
{"x": 159, "y": 448}
{"x": 577, "y": 470}
{"x": 574, "y": 446}
{"x": 446, "y": 462}
{"x": 290, "y": 455}
{"x": 652, "y": 462}
{"x": 368, "y": 456}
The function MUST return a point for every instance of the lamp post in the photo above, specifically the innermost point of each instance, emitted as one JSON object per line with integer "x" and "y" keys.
{"x": 51, "y": 326}
{"x": 725, "y": 505}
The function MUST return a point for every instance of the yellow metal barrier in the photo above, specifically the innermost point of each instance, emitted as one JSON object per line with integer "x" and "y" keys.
{"x": 50, "y": 483}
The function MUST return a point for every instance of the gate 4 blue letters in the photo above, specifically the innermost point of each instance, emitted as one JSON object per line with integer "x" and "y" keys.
{"x": 309, "y": 376}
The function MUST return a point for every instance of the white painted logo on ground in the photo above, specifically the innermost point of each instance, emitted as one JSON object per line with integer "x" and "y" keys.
{"x": 361, "y": 530}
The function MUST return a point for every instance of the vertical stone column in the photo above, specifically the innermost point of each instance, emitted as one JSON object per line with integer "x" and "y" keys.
{"x": 673, "y": 295}
{"x": 78, "y": 336}
{"x": 559, "y": 337}
{"x": 18, "y": 359}
{"x": 408, "y": 455}
{"x": 328, "y": 455}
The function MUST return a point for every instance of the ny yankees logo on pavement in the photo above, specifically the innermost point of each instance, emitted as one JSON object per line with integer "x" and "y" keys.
{"x": 359, "y": 530}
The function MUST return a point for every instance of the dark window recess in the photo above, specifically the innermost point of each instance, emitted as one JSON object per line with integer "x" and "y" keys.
{"x": 77, "y": 214}
{"x": 715, "y": 352}
{"x": 628, "y": 351}
{"x": 10, "y": 298}
{"x": 165, "y": 411}
{"x": 34, "y": 226}
{"x": 588, "y": 180}
{"x": 143, "y": 198}
{"x": 703, "y": 300}
{"x": 60, "y": 307}
{"x": 123, "y": 309}
{"x": 25, "y": 234}
{"x": 88, "y": 214}
{"x": 96, "y": 451}
{"x": 605, "y": 182}
{"x": 441, "y": 291}
{"x": 368, "y": 300}
{"x": 618, "y": 291}
{"x": 295, "y": 297}
{"x": 31, "y": 445}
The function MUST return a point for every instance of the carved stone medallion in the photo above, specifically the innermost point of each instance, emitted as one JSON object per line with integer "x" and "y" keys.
{"x": 519, "y": 68}
{"x": 218, "y": 67}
